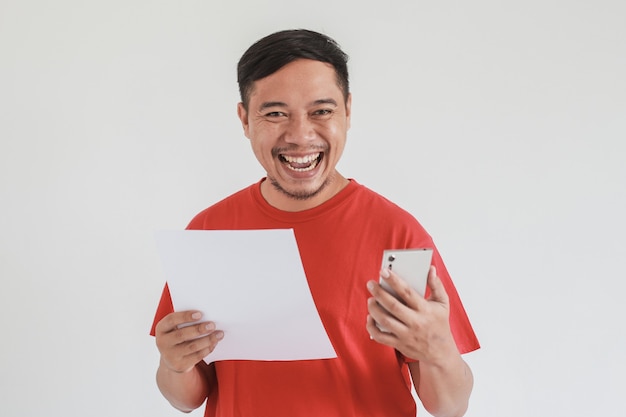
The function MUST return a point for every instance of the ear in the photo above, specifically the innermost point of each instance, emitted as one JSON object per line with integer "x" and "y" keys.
{"x": 243, "y": 117}
{"x": 348, "y": 110}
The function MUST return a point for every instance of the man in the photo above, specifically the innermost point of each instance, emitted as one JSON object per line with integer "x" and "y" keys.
{"x": 295, "y": 110}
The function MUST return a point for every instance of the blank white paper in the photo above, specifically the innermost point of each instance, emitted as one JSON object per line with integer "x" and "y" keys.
{"x": 252, "y": 284}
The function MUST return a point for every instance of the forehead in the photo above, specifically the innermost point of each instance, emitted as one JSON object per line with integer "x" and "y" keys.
{"x": 301, "y": 79}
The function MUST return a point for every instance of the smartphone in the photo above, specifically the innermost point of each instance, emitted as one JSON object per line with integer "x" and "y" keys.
{"x": 412, "y": 265}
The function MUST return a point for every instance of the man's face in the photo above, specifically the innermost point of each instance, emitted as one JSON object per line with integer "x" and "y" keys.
{"x": 297, "y": 121}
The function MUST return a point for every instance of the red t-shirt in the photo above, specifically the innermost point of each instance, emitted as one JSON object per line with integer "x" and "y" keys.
{"x": 340, "y": 243}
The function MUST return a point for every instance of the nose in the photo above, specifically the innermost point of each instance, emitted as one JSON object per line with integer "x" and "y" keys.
{"x": 299, "y": 129}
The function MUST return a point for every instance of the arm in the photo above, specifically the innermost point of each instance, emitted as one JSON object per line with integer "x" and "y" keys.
{"x": 444, "y": 390}
{"x": 419, "y": 329}
{"x": 183, "y": 378}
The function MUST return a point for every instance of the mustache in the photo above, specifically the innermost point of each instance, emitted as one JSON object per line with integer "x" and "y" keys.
{"x": 295, "y": 148}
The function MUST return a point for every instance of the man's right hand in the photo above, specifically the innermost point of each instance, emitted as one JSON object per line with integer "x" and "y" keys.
{"x": 181, "y": 345}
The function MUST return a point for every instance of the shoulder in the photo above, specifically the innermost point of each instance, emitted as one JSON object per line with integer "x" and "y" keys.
{"x": 378, "y": 204}
{"x": 386, "y": 218}
{"x": 215, "y": 215}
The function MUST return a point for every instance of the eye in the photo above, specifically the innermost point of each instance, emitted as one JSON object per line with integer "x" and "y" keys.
{"x": 323, "y": 112}
{"x": 274, "y": 114}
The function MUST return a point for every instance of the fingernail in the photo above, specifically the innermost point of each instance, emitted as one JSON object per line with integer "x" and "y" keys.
{"x": 370, "y": 285}
{"x": 210, "y": 326}
{"x": 196, "y": 316}
{"x": 219, "y": 335}
{"x": 384, "y": 273}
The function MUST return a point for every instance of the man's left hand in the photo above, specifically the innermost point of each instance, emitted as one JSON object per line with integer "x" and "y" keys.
{"x": 417, "y": 327}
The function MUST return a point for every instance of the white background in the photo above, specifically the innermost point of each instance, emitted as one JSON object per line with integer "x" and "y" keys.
{"x": 499, "y": 125}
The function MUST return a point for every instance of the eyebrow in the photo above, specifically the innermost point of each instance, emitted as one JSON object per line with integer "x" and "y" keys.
{"x": 269, "y": 104}
{"x": 325, "y": 101}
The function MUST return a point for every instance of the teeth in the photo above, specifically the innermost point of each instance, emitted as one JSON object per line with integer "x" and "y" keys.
{"x": 301, "y": 160}
{"x": 305, "y": 163}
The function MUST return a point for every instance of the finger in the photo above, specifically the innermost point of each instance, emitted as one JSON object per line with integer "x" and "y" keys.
{"x": 437, "y": 290}
{"x": 385, "y": 337}
{"x": 174, "y": 320}
{"x": 402, "y": 289}
{"x": 184, "y": 363}
{"x": 390, "y": 321}
{"x": 386, "y": 301}
{"x": 382, "y": 294}
{"x": 201, "y": 347}
{"x": 184, "y": 356}
{"x": 188, "y": 333}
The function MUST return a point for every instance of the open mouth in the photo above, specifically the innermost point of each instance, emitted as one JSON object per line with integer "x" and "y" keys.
{"x": 301, "y": 163}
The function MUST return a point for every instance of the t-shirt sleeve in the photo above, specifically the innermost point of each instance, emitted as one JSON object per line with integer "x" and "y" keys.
{"x": 164, "y": 308}
{"x": 462, "y": 331}
{"x": 460, "y": 326}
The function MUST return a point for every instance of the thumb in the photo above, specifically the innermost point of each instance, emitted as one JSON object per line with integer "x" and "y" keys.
{"x": 437, "y": 290}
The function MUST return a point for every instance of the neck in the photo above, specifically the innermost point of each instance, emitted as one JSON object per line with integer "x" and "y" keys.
{"x": 283, "y": 201}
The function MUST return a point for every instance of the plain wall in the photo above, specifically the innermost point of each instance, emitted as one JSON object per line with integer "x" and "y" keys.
{"x": 499, "y": 125}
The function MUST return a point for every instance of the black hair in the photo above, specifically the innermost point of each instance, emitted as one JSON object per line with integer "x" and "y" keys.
{"x": 274, "y": 51}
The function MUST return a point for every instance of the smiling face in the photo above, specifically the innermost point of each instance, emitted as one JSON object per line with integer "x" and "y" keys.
{"x": 297, "y": 122}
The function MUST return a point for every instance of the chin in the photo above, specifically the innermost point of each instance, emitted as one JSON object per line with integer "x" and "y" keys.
{"x": 299, "y": 193}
